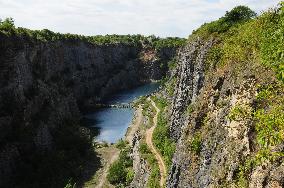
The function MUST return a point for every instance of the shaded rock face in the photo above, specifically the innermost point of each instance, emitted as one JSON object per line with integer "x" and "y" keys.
{"x": 190, "y": 77}
{"x": 225, "y": 143}
{"x": 43, "y": 85}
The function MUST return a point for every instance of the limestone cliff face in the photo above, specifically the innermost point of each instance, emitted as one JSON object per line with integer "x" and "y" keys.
{"x": 190, "y": 78}
{"x": 45, "y": 85}
{"x": 200, "y": 109}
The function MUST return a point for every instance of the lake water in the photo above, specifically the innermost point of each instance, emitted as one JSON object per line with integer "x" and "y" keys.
{"x": 113, "y": 122}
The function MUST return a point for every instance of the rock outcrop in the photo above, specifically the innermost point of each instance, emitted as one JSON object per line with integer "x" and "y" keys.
{"x": 140, "y": 166}
{"x": 201, "y": 108}
{"x": 190, "y": 78}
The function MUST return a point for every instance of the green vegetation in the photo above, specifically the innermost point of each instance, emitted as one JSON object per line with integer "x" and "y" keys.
{"x": 172, "y": 64}
{"x": 8, "y": 28}
{"x": 240, "y": 112}
{"x": 120, "y": 172}
{"x": 154, "y": 178}
{"x": 7, "y": 24}
{"x": 242, "y": 40}
{"x": 170, "y": 42}
{"x": 196, "y": 144}
{"x": 170, "y": 85}
{"x": 272, "y": 41}
{"x": 190, "y": 109}
{"x": 121, "y": 144}
{"x": 62, "y": 166}
{"x": 269, "y": 118}
{"x": 257, "y": 40}
{"x": 161, "y": 135}
{"x": 236, "y": 16}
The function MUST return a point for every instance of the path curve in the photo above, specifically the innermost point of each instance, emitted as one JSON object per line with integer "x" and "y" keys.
{"x": 149, "y": 137}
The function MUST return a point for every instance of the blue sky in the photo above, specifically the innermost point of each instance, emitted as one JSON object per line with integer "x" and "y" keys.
{"x": 93, "y": 17}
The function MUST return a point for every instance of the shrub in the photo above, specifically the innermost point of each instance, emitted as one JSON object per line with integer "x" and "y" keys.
{"x": 240, "y": 112}
{"x": 121, "y": 144}
{"x": 121, "y": 172}
{"x": 196, "y": 144}
{"x": 129, "y": 176}
{"x": 143, "y": 149}
{"x": 117, "y": 173}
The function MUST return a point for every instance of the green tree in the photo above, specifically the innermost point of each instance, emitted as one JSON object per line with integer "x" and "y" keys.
{"x": 7, "y": 24}
{"x": 239, "y": 13}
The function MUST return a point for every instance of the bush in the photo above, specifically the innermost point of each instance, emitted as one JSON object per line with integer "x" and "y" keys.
{"x": 129, "y": 176}
{"x": 117, "y": 173}
{"x": 170, "y": 42}
{"x": 121, "y": 172}
{"x": 121, "y": 144}
{"x": 240, "y": 112}
{"x": 143, "y": 149}
{"x": 196, "y": 144}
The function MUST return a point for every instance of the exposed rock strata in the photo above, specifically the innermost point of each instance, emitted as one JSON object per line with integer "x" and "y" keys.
{"x": 201, "y": 106}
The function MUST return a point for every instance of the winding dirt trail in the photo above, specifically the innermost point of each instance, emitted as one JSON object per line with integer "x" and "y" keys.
{"x": 149, "y": 137}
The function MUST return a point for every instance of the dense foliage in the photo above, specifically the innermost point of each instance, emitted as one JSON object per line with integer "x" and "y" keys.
{"x": 8, "y": 28}
{"x": 120, "y": 172}
{"x": 237, "y": 15}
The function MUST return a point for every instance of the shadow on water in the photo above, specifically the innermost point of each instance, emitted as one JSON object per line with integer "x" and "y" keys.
{"x": 89, "y": 123}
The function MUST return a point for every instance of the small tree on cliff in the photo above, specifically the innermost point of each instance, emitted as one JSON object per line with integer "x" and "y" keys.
{"x": 7, "y": 24}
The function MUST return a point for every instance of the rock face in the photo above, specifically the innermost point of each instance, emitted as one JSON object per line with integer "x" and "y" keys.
{"x": 45, "y": 85}
{"x": 201, "y": 108}
{"x": 190, "y": 77}
{"x": 140, "y": 167}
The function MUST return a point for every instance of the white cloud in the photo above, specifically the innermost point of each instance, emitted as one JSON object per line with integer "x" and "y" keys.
{"x": 92, "y": 17}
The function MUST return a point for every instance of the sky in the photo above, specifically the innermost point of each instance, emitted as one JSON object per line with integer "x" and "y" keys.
{"x": 163, "y": 18}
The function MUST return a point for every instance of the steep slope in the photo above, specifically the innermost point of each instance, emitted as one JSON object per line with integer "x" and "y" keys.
{"x": 227, "y": 108}
{"x": 46, "y": 82}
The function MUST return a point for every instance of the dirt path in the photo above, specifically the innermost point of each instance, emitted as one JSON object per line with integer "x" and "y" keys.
{"x": 149, "y": 136}
{"x": 113, "y": 156}
{"x": 109, "y": 155}
{"x": 135, "y": 125}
